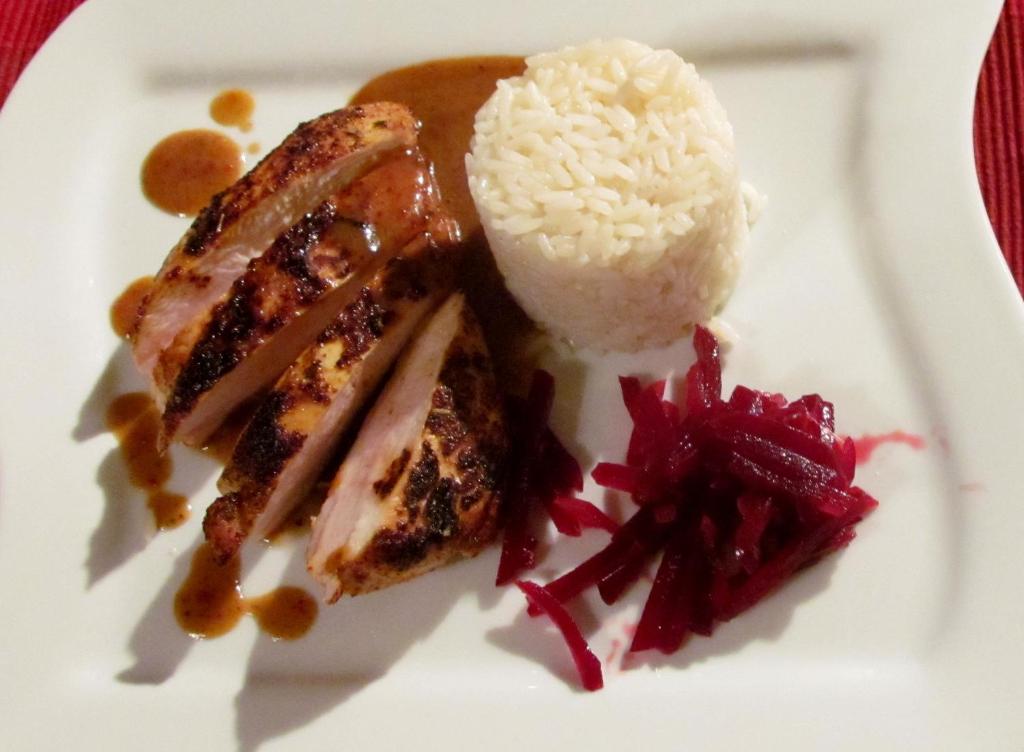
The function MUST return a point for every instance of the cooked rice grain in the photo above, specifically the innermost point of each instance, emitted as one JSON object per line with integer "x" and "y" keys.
{"x": 606, "y": 180}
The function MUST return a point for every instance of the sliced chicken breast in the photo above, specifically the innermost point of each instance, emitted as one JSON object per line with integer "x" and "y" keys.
{"x": 314, "y": 162}
{"x": 289, "y": 294}
{"x": 298, "y": 426}
{"x": 419, "y": 487}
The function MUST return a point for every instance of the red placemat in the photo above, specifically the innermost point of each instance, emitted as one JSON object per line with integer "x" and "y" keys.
{"x": 998, "y": 111}
{"x": 999, "y": 135}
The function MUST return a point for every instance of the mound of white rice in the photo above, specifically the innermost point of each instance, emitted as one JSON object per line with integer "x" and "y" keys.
{"x": 606, "y": 180}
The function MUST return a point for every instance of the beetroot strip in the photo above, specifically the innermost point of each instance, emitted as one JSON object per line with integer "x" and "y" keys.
{"x": 518, "y": 547}
{"x": 585, "y": 513}
{"x": 632, "y": 561}
{"x": 659, "y": 627}
{"x": 631, "y": 388}
{"x": 652, "y": 429}
{"x": 615, "y": 476}
{"x": 759, "y": 478}
{"x": 755, "y": 512}
{"x": 614, "y": 585}
{"x": 584, "y": 575}
{"x": 704, "y": 379}
{"x": 781, "y": 567}
{"x": 774, "y": 432}
{"x": 564, "y": 474}
{"x": 706, "y": 347}
{"x": 518, "y": 550}
{"x": 702, "y": 558}
{"x": 605, "y": 561}
{"x": 821, "y": 410}
{"x": 565, "y": 521}
{"x": 781, "y": 461}
{"x": 587, "y": 664}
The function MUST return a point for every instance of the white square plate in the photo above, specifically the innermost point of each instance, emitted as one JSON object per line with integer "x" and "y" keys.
{"x": 873, "y": 278}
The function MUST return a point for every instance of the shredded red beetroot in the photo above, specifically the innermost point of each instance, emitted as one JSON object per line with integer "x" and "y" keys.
{"x": 541, "y": 471}
{"x": 738, "y": 494}
{"x": 587, "y": 664}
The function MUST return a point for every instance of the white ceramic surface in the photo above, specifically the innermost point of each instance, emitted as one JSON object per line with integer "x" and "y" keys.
{"x": 873, "y": 278}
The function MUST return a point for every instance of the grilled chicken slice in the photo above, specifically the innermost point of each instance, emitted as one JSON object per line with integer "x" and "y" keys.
{"x": 298, "y": 426}
{"x": 419, "y": 487}
{"x": 290, "y": 294}
{"x": 315, "y": 161}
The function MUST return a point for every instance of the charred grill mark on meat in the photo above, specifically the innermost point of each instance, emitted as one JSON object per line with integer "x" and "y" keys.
{"x": 311, "y": 145}
{"x": 241, "y": 323}
{"x": 445, "y": 504}
{"x": 319, "y": 159}
{"x": 384, "y": 485}
{"x": 311, "y": 403}
{"x": 265, "y": 446}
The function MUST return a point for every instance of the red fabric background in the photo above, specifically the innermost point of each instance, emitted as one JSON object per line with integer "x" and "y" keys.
{"x": 998, "y": 112}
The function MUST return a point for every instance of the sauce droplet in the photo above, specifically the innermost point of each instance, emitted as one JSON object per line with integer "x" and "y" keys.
{"x": 253, "y": 148}
{"x": 124, "y": 309}
{"x": 185, "y": 170}
{"x": 209, "y": 602}
{"x": 285, "y": 613}
{"x": 135, "y": 422}
{"x": 233, "y": 107}
{"x": 868, "y": 443}
{"x": 170, "y": 510}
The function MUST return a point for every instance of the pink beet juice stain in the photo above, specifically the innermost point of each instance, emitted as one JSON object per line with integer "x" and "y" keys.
{"x": 868, "y": 443}
{"x": 613, "y": 652}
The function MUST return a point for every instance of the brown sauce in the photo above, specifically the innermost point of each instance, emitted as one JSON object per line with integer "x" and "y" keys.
{"x": 233, "y": 108}
{"x": 135, "y": 422}
{"x": 285, "y": 613}
{"x": 445, "y": 95}
{"x": 122, "y": 312}
{"x": 170, "y": 510}
{"x": 253, "y": 148}
{"x": 209, "y": 602}
{"x": 184, "y": 171}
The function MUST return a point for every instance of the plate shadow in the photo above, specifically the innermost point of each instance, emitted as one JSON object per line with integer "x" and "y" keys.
{"x": 354, "y": 643}
{"x": 158, "y": 644}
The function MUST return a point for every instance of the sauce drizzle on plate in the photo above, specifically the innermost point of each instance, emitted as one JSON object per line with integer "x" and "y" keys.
{"x": 209, "y": 602}
{"x": 126, "y": 306}
{"x": 445, "y": 95}
{"x": 185, "y": 170}
{"x": 135, "y": 422}
{"x": 233, "y": 107}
